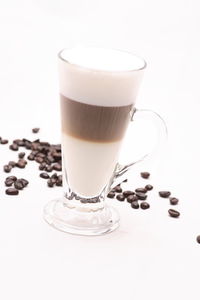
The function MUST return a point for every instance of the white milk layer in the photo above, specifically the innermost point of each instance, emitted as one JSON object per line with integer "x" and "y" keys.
{"x": 89, "y": 165}
{"x": 99, "y": 76}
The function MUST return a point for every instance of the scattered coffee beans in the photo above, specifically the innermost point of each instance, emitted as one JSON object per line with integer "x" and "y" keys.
{"x": 145, "y": 175}
{"x": 120, "y": 197}
{"x": 111, "y": 195}
{"x": 149, "y": 187}
{"x": 135, "y": 204}
{"x": 140, "y": 190}
{"x": 35, "y": 130}
{"x": 173, "y": 201}
{"x": 198, "y": 239}
{"x": 144, "y": 205}
{"x": 173, "y": 213}
{"x": 141, "y": 196}
{"x": 164, "y": 194}
{"x": 12, "y": 191}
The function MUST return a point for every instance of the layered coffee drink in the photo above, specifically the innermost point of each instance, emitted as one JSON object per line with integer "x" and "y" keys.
{"x": 97, "y": 94}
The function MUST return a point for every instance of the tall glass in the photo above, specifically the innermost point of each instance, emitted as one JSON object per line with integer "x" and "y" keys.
{"x": 98, "y": 90}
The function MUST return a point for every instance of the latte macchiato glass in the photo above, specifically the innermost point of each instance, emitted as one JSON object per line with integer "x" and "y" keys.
{"x": 98, "y": 90}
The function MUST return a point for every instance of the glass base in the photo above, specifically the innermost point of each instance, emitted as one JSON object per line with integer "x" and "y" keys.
{"x": 71, "y": 220}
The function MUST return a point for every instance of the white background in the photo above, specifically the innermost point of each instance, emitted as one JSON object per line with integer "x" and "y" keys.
{"x": 151, "y": 255}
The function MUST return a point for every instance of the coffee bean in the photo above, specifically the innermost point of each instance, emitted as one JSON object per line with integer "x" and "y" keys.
{"x": 128, "y": 193}
{"x": 14, "y": 147}
{"x": 12, "y": 163}
{"x": 59, "y": 181}
{"x": 18, "y": 184}
{"x": 144, "y": 205}
{"x": 145, "y": 175}
{"x": 125, "y": 180}
{"x": 21, "y": 164}
{"x": 198, "y": 239}
{"x": 141, "y": 196}
{"x": 120, "y": 197}
{"x": 49, "y": 168}
{"x": 8, "y": 182}
{"x": 54, "y": 175}
{"x": 3, "y": 141}
{"x": 164, "y": 194}
{"x": 132, "y": 198}
{"x": 135, "y": 204}
{"x": 117, "y": 189}
{"x": 21, "y": 154}
{"x": 12, "y": 191}
{"x": 24, "y": 182}
{"x": 30, "y": 157}
{"x": 57, "y": 167}
{"x": 140, "y": 190}
{"x": 39, "y": 160}
{"x": 149, "y": 187}
{"x": 173, "y": 213}
{"x": 173, "y": 201}
{"x": 42, "y": 166}
{"x": 7, "y": 168}
{"x": 111, "y": 195}
{"x": 19, "y": 142}
{"x": 44, "y": 175}
{"x": 35, "y": 130}
{"x": 50, "y": 183}
{"x": 14, "y": 178}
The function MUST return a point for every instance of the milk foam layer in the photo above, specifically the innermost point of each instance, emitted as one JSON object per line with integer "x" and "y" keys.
{"x": 89, "y": 166}
{"x": 103, "y": 77}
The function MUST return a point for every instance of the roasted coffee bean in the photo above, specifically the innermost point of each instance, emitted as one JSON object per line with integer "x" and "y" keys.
{"x": 140, "y": 190}
{"x": 117, "y": 189}
{"x": 57, "y": 167}
{"x": 8, "y": 182}
{"x": 21, "y": 154}
{"x": 12, "y": 191}
{"x": 30, "y": 157}
{"x": 50, "y": 183}
{"x": 24, "y": 182}
{"x": 111, "y": 195}
{"x": 144, "y": 205}
{"x": 174, "y": 213}
{"x": 39, "y": 160}
{"x": 141, "y": 196}
{"x": 164, "y": 194}
{"x": 44, "y": 175}
{"x": 49, "y": 169}
{"x": 125, "y": 180}
{"x": 149, "y": 187}
{"x": 59, "y": 181}
{"x": 14, "y": 178}
{"x": 50, "y": 159}
{"x": 18, "y": 184}
{"x": 12, "y": 163}
{"x": 198, "y": 239}
{"x": 120, "y": 197}
{"x": 145, "y": 175}
{"x": 19, "y": 142}
{"x": 35, "y": 130}
{"x": 21, "y": 164}
{"x": 173, "y": 201}
{"x": 135, "y": 204}
{"x": 27, "y": 145}
{"x": 132, "y": 198}
{"x": 14, "y": 147}
{"x": 7, "y": 168}
{"x": 54, "y": 175}
{"x": 128, "y": 193}
{"x": 42, "y": 166}
{"x": 3, "y": 141}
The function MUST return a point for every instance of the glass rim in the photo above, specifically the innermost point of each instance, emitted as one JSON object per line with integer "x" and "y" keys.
{"x": 101, "y": 70}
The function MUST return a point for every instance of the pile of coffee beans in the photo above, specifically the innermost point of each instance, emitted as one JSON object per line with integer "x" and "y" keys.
{"x": 46, "y": 155}
{"x": 15, "y": 185}
{"x": 137, "y": 197}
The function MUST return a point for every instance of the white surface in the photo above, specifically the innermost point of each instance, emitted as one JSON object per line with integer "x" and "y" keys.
{"x": 89, "y": 165}
{"x": 151, "y": 256}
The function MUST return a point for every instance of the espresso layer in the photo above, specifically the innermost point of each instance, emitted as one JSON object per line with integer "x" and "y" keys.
{"x": 92, "y": 122}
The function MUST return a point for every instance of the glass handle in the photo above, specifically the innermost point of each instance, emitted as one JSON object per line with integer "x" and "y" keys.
{"x": 160, "y": 140}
